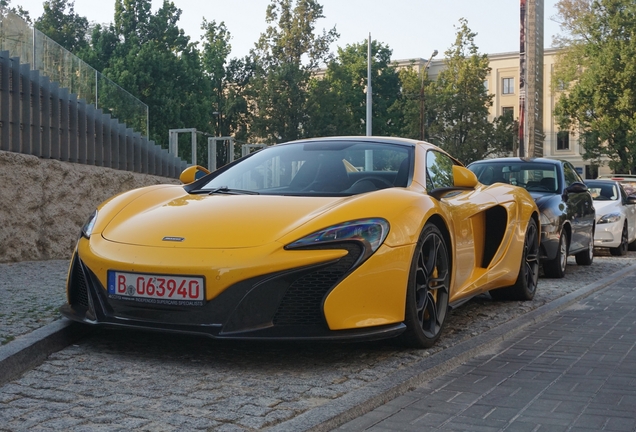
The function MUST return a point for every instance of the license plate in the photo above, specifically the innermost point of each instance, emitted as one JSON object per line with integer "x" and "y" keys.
{"x": 156, "y": 289}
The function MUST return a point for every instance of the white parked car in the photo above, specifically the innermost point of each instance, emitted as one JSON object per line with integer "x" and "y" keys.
{"x": 628, "y": 181}
{"x": 615, "y": 216}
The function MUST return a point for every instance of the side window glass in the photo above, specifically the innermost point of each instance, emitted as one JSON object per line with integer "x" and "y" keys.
{"x": 570, "y": 175}
{"x": 439, "y": 170}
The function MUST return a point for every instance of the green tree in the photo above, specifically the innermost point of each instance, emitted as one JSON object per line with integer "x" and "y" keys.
{"x": 60, "y": 22}
{"x": 152, "y": 58}
{"x": 228, "y": 80}
{"x": 284, "y": 59}
{"x": 596, "y": 71}
{"x": 461, "y": 103}
{"x": 337, "y": 101}
{"x": 417, "y": 91}
{"x": 19, "y": 10}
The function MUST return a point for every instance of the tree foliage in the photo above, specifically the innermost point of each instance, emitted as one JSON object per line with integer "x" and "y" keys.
{"x": 285, "y": 57}
{"x": 18, "y": 10}
{"x": 597, "y": 72}
{"x": 461, "y": 102}
{"x": 60, "y": 22}
{"x": 337, "y": 101}
{"x": 275, "y": 93}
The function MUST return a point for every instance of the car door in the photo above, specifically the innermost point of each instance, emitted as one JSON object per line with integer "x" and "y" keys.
{"x": 466, "y": 220}
{"x": 630, "y": 214}
{"x": 580, "y": 209}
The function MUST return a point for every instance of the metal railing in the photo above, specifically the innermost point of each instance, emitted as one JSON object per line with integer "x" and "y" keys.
{"x": 41, "y": 118}
{"x": 61, "y": 66}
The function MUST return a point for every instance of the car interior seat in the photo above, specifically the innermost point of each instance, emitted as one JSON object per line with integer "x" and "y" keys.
{"x": 402, "y": 176}
{"x": 548, "y": 183}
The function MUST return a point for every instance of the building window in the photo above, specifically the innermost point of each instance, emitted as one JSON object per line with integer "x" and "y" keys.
{"x": 486, "y": 85}
{"x": 508, "y": 85}
{"x": 563, "y": 140}
{"x": 508, "y": 112}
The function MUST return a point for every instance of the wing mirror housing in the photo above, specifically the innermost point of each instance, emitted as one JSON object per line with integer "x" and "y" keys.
{"x": 576, "y": 187}
{"x": 463, "y": 177}
{"x": 193, "y": 173}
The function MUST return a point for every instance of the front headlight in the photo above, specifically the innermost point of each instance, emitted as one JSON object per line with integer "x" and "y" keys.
{"x": 610, "y": 218}
{"x": 87, "y": 229}
{"x": 370, "y": 231}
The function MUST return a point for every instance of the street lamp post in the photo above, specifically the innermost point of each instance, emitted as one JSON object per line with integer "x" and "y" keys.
{"x": 422, "y": 114}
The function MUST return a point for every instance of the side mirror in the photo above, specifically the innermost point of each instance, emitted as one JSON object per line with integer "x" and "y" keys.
{"x": 576, "y": 187}
{"x": 193, "y": 173}
{"x": 463, "y": 177}
{"x": 631, "y": 199}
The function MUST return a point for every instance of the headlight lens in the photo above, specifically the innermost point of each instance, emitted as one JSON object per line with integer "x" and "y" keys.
{"x": 372, "y": 231}
{"x": 87, "y": 229}
{"x": 610, "y": 218}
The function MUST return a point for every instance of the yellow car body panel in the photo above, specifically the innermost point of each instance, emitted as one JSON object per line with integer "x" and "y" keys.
{"x": 372, "y": 297}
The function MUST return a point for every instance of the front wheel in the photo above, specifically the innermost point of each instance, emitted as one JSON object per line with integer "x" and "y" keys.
{"x": 622, "y": 248}
{"x": 526, "y": 284}
{"x": 428, "y": 290}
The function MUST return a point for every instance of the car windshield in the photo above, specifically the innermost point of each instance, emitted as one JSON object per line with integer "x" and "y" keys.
{"x": 315, "y": 168}
{"x": 533, "y": 176}
{"x": 602, "y": 191}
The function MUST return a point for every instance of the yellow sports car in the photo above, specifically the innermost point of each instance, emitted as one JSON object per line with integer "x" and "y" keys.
{"x": 333, "y": 238}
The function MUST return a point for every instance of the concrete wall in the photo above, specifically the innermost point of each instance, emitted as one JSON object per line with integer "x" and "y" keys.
{"x": 45, "y": 202}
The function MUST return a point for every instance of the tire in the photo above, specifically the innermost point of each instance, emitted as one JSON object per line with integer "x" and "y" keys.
{"x": 587, "y": 256}
{"x": 428, "y": 290}
{"x": 555, "y": 268}
{"x": 526, "y": 284}
{"x": 621, "y": 250}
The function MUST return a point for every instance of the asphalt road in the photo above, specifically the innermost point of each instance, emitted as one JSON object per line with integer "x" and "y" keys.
{"x": 121, "y": 380}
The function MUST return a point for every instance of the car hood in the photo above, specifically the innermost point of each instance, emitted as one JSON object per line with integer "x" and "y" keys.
{"x": 165, "y": 218}
{"x": 605, "y": 207}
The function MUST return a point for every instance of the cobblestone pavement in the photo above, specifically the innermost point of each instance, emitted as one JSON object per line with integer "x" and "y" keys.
{"x": 122, "y": 380}
{"x": 30, "y": 295}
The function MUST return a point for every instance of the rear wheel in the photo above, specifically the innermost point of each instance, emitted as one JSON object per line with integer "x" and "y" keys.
{"x": 555, "y": 268}
{"x": 526, "y": 284}
{"x": 428, "y": 290}
{"x": 622, "y": 248}
{"x": 587, "y": 256}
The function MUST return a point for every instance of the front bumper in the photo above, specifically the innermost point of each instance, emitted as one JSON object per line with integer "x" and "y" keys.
{"x": 283, "y": 305}
{"x": 608, "y": 234}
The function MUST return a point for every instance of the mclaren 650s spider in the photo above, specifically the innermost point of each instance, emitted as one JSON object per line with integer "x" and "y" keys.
{"x": 340, "y": 238}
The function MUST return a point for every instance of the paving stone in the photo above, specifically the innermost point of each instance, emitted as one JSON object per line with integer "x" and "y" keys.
{"x": 148, "y": 381}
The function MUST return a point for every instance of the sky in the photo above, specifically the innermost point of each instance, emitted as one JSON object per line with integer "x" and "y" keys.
{"x": 410, "y": 28}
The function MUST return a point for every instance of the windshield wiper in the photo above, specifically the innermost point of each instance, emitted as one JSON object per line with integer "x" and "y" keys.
{"x": 223, "y": 190}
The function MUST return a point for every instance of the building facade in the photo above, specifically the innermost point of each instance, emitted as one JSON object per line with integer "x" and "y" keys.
{"x": 503, "y": 83}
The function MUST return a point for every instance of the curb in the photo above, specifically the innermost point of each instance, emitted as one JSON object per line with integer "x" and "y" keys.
{"x": 353, "y": 405}
{"x": 32, "y": 349}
